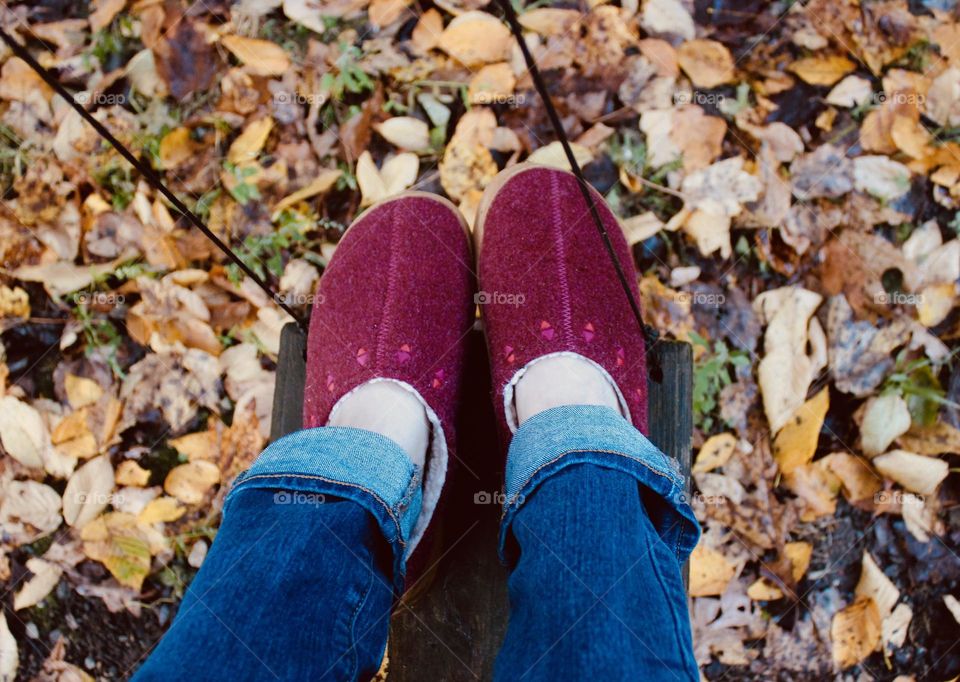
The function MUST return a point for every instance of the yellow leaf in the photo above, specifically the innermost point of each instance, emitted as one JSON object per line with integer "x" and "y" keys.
{"x": 764, "y": 590}
{"x": 822, "y": 70}
{"x": 118, "y": 542}
{"x": 859, "y": 481}
{"x": 176, "y": 148}
{"x": 708, "y": 63}
{"x": 162, "y": 509}
{"x": 796, "y": 443}
{"x": 549, "y": 21}
{"x": 196, "y": 446}
{"x": 710, "y": 572}
{"x": 492, "y": 84}
{"x": 249, "y": 143}
{"x": 261, "y": 57}
{"x": 190, "y": 482}
{"x": 935, "y": 304}
{"x": 855, "y": 632}
{"x": 476, "y": 38}
{"x": 81, "y": 391}
{"x": 715, "y": 452}
{"x": 320, "y": 184}
{"x": 131, "y": 473}
{"x": 799, "y": 554}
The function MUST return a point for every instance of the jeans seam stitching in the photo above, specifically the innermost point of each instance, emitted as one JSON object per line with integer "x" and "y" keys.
{"x": 673, "y": 615}
{"x": 353, "y": 621}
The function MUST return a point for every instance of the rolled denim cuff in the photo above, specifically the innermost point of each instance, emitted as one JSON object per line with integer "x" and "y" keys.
{"x": 587, "y": 434}
{"x": 306, "y": 466}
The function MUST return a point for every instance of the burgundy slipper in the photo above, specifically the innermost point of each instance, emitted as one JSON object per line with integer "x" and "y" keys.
{"x": 396, "y": 302}
{"x": 547, "y": 287}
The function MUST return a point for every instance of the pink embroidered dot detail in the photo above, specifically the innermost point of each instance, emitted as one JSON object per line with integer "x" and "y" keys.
{"x": 508, "y": 354}
{"x": 546, "y": 330}
{"x": 621, "y": 356}
{"x": 331, "y": 384}
{"x": 404, "y": 355}
{"x": 588, "y": 332}
{"x": 438, "y": 379}
{"x": 363, "y": 357}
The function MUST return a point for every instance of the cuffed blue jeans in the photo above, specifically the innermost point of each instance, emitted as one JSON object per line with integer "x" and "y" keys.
{"x": 312, "y": 551}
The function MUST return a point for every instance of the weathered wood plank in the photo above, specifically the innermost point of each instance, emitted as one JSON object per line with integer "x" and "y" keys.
{"x": 291, "y": 378}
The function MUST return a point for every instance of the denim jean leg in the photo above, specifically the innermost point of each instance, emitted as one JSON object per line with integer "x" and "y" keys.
{"x": 596, "y": 526}
{"x": 301, "y": 578}
{"x": 595, "y": 592}
{"x": 288, "y": 591}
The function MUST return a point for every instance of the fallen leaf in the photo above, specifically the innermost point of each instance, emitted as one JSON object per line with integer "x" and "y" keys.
{"x": 121, "y": 544}
{"x": 553, "y": 155}
{"x": 881, "y": 177}
{"x": 935, "y": 303}
{"x": 190, "y": 482}
{"x": 405, "y": 132}
{"x": 45, "y": 577}
{"x": 9, "y": 654}
{"x": 816, "y": 487}
{"x": 710, "y": 572}
{"x": 185, "y": 60}
{"x": 22, "y": 432}
{"x": 81, "y": 391}
{"x": 248, "y": 144}
{"x": 916, "y": 473}
{"x": 855, "y": 632}
{"x": 787, "y": 369}
{"x": 161, "y": 510}
{"x": 88, "y": 492}
{"x": 763, "y": 590}
{"x": 476, "y": 38}
{"x": 875, "y": 585}
{"x": 708, "y": 63}
{"x": 29, "y": 511}
{"x": 885, "y": 418}
{"x": 859, "y": 481}
{"x": 261, "y": 57}
{"x": 859, "y": 352}
{"x": 938, "y": 439}
{"x": 667, "y": 18}
{"x": 549, "y": 21}
{"x": 196, "y": 446}
{"x": 796, "y": 442}
{"x": 953, "y": 606}
{"x": 799, "y": 554}
{"x": 397, "y": 174}
{"x": 851, "y": 92}
{"x": 715, "y": 452}
{"x": 131, "y": 473}
{"x": 493, "y": 84}
{"x": 321, "y": 184}
{"x": 822, "y": 70}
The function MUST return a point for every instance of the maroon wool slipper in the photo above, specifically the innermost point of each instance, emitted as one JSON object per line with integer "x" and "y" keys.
{"x": 547, "y": 286}
{"x": 396, "y": 302}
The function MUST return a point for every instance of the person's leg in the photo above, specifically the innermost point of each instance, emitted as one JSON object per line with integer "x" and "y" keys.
{"x": 595, "y": 591}
{"x": 595, "y": 521}
{"x": 332, "y": 522}
{"x": 296, "y": 586}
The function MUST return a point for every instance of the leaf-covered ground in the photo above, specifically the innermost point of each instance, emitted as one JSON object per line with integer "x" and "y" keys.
{"x": 788, "y": 174}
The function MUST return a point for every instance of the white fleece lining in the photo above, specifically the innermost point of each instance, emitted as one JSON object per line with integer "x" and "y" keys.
{"x": 436, "y": 462}
{"x": 509, "y": 408}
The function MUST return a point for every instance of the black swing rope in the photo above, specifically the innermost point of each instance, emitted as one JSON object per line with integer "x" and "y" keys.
{"x": 154, "y": 180}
